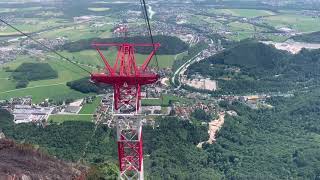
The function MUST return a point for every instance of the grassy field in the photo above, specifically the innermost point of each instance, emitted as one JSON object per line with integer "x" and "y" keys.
{"x": 297, "y": 22}
{"x": 7, "y": 10}
{"x": 40, "y": 93}
{"x": 6, "y": 84}
{"x": 62, "y": 118}
{"x": 248, "y": 13}
{"x": 28, "y": 25}
{"x": 40, "y": 90}
{"x": 56, "y": 88}
{"x": 241, "y": 30}
{"x": 164, "y": 101}
{"x": 239, "y": 26}
{"x": 79, "y": 31}
{"x": 90, "y": 108}
{"x": 98, "y": 9}
{"x": 92, "y": 57}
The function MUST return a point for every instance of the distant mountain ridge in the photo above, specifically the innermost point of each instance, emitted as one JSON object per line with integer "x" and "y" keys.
{"x": 169, "y": 44}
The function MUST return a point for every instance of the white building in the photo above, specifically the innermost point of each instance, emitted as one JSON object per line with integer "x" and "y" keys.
{"x": 27, "y": 114}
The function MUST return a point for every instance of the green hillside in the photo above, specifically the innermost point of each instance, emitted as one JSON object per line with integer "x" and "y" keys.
{"x": 249, "y": 54}
{"x": 277, "y": 143}
{"x": 255, "y": 67}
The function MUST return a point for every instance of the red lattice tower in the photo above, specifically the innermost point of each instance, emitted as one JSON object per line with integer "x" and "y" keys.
{"x": 127, "y": 77}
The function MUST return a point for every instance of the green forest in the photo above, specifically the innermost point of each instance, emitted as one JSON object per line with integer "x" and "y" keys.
{"x": 32, "y": 72}
{"x": 84, "y": 85}
{"x": 313, "y": 37}
{"x": 278, "y": 143}
{"x": 251, "y": 66}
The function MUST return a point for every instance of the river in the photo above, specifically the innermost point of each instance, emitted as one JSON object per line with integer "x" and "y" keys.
{"x": 151, "y": 12}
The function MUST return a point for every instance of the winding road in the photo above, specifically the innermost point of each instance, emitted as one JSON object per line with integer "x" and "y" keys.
{"x": 183, "y": 68}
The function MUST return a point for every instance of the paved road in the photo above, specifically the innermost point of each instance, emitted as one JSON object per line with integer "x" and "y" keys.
{"x": 184, "y": 67}
{"x": 33, "y": 87}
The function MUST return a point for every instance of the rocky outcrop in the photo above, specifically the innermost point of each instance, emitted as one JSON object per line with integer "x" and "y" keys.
{"x": 23, "y": 162}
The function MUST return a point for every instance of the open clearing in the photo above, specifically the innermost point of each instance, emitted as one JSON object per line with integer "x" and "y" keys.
{"x": 56, "y": 88}
{"x": 248, "y": 13}
{"x": 63, "y": 118}
{"x": 294, "y": 21}
{"x": 98, "y": 9}
{"x": 92, "y": 57}
{"x": 56, "y": 92}
{"x": 79, "y": 31}
{"x": 28, "y": 25}
{"x": 90, "y": 108}
{"x": 40, "y": 90}
{"x": 164, "y": 101}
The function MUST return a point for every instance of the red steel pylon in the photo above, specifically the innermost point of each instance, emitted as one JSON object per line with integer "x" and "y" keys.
{"x": 127, "y": 77}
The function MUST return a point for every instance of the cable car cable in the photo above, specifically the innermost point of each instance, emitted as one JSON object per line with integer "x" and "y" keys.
{"x": 43, "y": 45}
{"x": 146, "y": 16}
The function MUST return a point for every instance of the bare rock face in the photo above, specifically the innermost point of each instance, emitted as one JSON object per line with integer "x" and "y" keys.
{"x": 25, "y": 177}
{"x": 2, "y": 136}
{"x": 23, "y": 162}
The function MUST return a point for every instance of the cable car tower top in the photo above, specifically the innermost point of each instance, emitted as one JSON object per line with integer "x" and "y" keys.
{"x": 126, "y": 76}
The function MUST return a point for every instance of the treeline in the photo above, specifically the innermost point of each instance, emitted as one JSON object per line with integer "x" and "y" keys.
{"x": 309, "y": 38}
{"x": 169, "y": 44}
{"x": 84, "y": 85}
{"x": 276, "y": 143}
{"x": 32, "y": 72}
{"x": 171, "y": 146}
{"x": 251, "y": 67}
{"x": 65, "y": 141}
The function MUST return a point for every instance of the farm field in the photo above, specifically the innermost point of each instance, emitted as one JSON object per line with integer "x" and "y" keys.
{"x": 91, "y": 57}
{"x": 40, "y": 90}
{"x": 164, "y": 101}
{"x": 98, "y": 9}
{"x": 40, "y": 93}
{"x": 90, "y": 108}
{"x": 6, "y": 84}
{"x": 79, "y": 31}
{"x": 28, "y": 25}
{"x": 294, "y": 21}
{"x": 56, "y": 88}
{"x": 248, "y": 13}
{"x": 63, "y": 118}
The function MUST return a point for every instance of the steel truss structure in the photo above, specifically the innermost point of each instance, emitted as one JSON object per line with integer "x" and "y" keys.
{"x": 127, "y": 77}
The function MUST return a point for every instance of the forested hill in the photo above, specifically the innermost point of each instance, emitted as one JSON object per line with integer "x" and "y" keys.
{"x": 313, "y": 37}
{"x": 169, "y": 44}
{"x": 281, "y": 143}
{"x": 278, "y": 143}
{"x": 251, "y": 67}
{"x": 250, "y": 54}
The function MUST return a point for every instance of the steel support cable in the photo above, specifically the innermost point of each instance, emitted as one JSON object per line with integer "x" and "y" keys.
{"x": 55, "y": 52}
{"x": 146, "y": 16}
{"x": 43, "y": 45}
{"x": 147, "y": 21}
